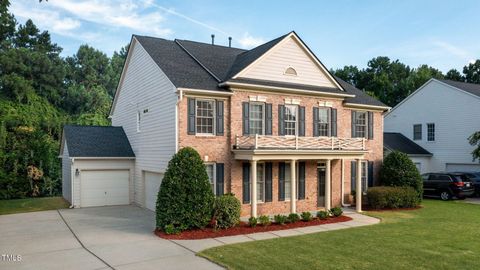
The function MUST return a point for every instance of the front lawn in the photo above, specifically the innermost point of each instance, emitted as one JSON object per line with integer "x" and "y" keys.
{"x": 442, "y": 235}
{"x": 31, "y": 205}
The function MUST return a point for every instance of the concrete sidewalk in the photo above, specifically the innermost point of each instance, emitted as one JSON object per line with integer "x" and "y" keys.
{"x": 199, "y": 245}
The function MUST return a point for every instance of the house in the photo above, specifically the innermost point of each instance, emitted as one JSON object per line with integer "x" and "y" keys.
{"x": 439, "y": 117}
{"x": 394, "y": 141}
{"x": 272, "y": 125}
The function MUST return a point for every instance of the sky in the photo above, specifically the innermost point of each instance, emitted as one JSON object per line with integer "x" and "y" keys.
{"x": 443, "y": 34}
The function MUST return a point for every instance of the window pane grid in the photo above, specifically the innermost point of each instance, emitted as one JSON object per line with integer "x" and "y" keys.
{"x": 211, "y": 175}
{"x": 256, "y": 117}
{"x": 417, "y": 132}
{"x": 431, "y": 132}
{"x": 361, "y": 124}
{"x": 323, "y": 121}
{"x": 260, "y": 182}
{"x": 290, "y": 120}
{"x": 205, "y": 116}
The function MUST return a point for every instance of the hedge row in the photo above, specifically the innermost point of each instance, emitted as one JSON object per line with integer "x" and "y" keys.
{"x": 392, "y": 197}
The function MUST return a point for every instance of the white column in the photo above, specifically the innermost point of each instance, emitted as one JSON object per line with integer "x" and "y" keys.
{"x": 253, "y": 178}
{"x": 328, "y": 179}
{"x": 359, "y": 186}
{"x": 293, "y": 187}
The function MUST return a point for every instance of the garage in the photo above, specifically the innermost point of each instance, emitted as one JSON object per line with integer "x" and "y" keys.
{"x": 462, "y": 167}
{"x": 97, "y": 166}
{"x": 104, "y": 187}
{"x": 152, "y": 186}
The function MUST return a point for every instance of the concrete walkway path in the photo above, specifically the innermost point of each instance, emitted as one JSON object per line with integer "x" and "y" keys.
{"x": 358, "y": 220}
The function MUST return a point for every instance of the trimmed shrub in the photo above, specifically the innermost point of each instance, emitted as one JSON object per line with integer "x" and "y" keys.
{"x": 322, "y": 214}
{"x": 392, "y": 197}
{"x": 306, "y": 216}
{"x": 226, "y": 211}
{"x": 185, "y": 200}
{"x": 398, "y": 170}
{"x": 264, "y": 220}
{"x": 280, "y": 219}
{"x": 336, "y": 211}
{"x": 293, "y": 217}
{"x": 252, "y": 222}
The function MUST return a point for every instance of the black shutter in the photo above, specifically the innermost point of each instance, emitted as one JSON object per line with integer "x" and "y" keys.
{"x": 333, "y": 122}
{"x": 281, "y": 181}
{"x": 246, "y": 116}
{"x": 191, "y": 116}
{"x": 315, "y": 122}
{"x": 370, "y": 125}
{"x": 301, "y": 180}
{"x": 354, "y": 114}
{"x": 301, "y": 121}
{"x": 268, "y": 182}
{"x": 220, "y": 178}
{"x": 268, "y": 119}
{"x": 281, "y": 120}
{"x": 353, "y": 173}
{"x": 246, "y": 183}
{"x": 220, "y": 111}
{"x": 370, "y": 174}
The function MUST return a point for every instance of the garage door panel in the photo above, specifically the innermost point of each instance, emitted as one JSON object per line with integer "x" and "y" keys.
{"x": 104, "y": 187}
{"x": 152, "y": 186}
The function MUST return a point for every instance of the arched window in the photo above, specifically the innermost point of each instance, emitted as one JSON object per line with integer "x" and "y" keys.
{"x": 290, "y": 71}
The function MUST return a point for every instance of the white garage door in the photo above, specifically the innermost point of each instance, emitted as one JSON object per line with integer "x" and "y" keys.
{"x": 452, "y": 167}
{"x": 108, "y": 187}
{"x": 152, "y": 186}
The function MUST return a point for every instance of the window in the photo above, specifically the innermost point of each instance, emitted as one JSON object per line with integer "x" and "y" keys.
{"x": 417, "y": 132}
{"x": 205, "y": 115}
{"x": 291, "y": 120}
{"x": 256, "y": 118}
{"x": 364, "y": 176}
{"x": 288, "y": 182}
{"x": 290, "y": 71}
{"x": 260, "y": 182}
{"x": 431, "y": 132}
{"x": 360, "y": 124}
{"x": 138, "y": 120}
{"x": 324, "y": 122}
{"x": 211, "y": 175}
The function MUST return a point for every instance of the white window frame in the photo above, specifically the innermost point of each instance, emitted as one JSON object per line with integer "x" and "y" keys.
{"x": 329, "y": 121}
{"x": 139, "y": 118}
{"x": 432, "y": 132}
{"x": 364, "y": 177}
{"x": 213, "y": 118}
{"x": 414, "y": 133}
{"x": 262, "y": 181}
{"x": 214, "y": 176}
{"x": 290, "y": 121}
{"x": 365, "y": 131}
{"x": 289, "y": 164}
{"x": 250, "y": 117}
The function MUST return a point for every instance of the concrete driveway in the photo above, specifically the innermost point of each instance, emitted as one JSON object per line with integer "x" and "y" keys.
{"x": 118, "y": 237}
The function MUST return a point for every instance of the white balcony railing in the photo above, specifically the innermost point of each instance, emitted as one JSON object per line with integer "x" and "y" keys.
{"x": 298, "y": 143}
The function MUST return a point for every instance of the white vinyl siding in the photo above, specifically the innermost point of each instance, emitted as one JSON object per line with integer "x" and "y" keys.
{"x": 146, "y": 89}
{"x": 455, "y": 114}
{"x": 152, "y": 187}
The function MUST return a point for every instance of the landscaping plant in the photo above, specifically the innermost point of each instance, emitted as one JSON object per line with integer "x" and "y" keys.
{"x": 293, "y": 217}
{"x": 322, "y": 215}
{"x": 226, "y": 211}
{"x": 336, "y": 211}
{"x": 306, "y": 216}
{"x": 264, "y": 220}
{"x": 185, "y": 199}
{"x": 399, "y": 170}
{"x": 392, "y": 197}
{"x": 280, "y": 219}
{"x": 252, "y": 222}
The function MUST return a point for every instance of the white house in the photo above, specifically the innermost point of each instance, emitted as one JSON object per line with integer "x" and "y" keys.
{"x": 439, "y": 117}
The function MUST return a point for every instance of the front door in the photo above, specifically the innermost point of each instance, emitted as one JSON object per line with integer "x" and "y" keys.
{"x": 321, "y": 185}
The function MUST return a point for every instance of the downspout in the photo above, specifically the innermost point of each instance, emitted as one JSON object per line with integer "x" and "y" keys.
{"x": 343, "y": 184}
{"x": 179, "y": 99}
{"x": 72, "y": 176}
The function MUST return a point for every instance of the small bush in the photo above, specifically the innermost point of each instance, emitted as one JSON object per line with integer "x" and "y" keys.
{"x": 293, "y": 217}
{"x": 306, "y": 216}
{"x": 280, "y": 219}
{"x": 171, "y": 229}
{"x": 264, "y": 220}
{"x": 322, "y": 214}
{"x": 252, "y": 222}
{"x": 227, "y": 211}
{"x": 392, "y": 197}
{"x": 399, "y": 170}
{"x": 336, "y": 211}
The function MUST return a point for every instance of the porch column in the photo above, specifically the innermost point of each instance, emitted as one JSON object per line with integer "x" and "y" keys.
{"x": 328, "y": 190}
{"x": 253, "y": 178}
{"x": 359, "y": 186}
{"x": 293, "y": 187}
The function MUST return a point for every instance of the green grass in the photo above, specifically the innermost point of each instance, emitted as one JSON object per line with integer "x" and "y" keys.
{"x": 31, "y": 205}
{"x": 442, "y": 235}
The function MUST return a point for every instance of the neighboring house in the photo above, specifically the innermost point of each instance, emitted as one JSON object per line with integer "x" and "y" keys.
{"x": 393, "y": 141}
{"x": 271, "y": 123}
{"x": 439, "y": 117}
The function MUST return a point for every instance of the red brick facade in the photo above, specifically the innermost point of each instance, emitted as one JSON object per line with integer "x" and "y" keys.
{"x": 219, "y": 148}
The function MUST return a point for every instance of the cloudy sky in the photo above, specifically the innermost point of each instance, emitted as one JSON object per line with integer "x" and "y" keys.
{"x": 443, "y": 34}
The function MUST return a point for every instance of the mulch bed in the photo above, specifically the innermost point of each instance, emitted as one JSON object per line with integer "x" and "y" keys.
{"x": 244, "y": 228}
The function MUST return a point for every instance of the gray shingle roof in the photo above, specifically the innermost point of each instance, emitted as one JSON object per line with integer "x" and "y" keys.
{"x": 472, "y": 88}
{"x": 97, "y": 141}
{"x": 196, "y": 65}
{"x": 398, "y": 142}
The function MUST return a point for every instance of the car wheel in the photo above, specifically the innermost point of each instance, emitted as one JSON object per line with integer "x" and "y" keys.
{"x": 445, "y": 195}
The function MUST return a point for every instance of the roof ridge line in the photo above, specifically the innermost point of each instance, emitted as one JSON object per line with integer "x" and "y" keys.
{"x": 196, "y": 60}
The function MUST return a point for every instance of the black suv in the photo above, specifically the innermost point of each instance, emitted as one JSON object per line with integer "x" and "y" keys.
{"x": 447, "y": 185}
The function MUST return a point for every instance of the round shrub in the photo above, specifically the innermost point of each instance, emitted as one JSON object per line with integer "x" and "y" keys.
{"x": 264, "y": 220}
{"x": 399, "y": 170}
{"x": 392, "y": 197}
{"x": 306, "y": 216}
{"x": 336, "y": 211}
{"x": 226, "y": 211}
{"x": 293, "y": 217}
{"x": 185, "y": 200}
{"x": 280, "y": 219}
{"x": 322, "y": 215}
{"x": 252, "y": 222}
